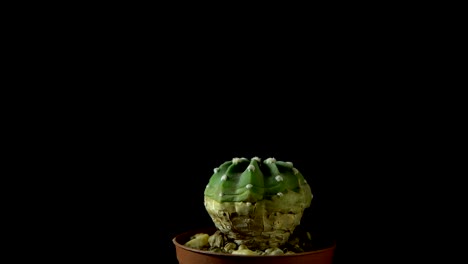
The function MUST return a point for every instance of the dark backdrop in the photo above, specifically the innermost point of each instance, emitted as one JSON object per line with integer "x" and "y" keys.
{"x": 148, "y": 173}
{"x": 154, "y": 187}
{"x": 137, "y": 171}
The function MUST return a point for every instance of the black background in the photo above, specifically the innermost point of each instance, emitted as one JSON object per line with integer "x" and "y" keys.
{"x": 136, "y": 168}
{"x": 141, "y": 127}
{"x": 139, "y": 166}
{"x": 144, "y": 164}
{"x": 150, "y": 175}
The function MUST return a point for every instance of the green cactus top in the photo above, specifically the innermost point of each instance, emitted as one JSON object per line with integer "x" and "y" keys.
{"x": 243, "y": 180}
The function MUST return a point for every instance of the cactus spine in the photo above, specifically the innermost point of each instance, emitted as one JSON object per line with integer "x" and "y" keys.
{"x": 255, "y": 203}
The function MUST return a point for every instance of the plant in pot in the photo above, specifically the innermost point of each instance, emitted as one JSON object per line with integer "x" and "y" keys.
{"x": 256, "y": 207}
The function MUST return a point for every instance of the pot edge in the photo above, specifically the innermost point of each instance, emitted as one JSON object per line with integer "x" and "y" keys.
{"x": 211, "y": 230}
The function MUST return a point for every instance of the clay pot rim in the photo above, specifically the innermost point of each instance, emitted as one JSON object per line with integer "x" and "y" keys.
{"x": 212, "y": 229}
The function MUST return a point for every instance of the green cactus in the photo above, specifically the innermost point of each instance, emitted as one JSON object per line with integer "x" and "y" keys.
{"x": 257, "y": 204}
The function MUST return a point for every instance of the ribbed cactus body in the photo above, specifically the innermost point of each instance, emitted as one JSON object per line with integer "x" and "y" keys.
{"x": 257, "y": 203}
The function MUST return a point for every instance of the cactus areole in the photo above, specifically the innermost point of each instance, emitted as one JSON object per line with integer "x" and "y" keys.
{"x": 257, "y": 203}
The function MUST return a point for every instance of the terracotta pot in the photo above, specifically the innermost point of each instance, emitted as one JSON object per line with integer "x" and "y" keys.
{"x": 187, "y": 255}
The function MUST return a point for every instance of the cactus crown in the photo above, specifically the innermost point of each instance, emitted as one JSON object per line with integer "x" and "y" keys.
{"x": 244, "y": 180}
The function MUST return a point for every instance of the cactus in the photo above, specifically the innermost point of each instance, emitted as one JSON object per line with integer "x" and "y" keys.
{"x": 257, "y": 204}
